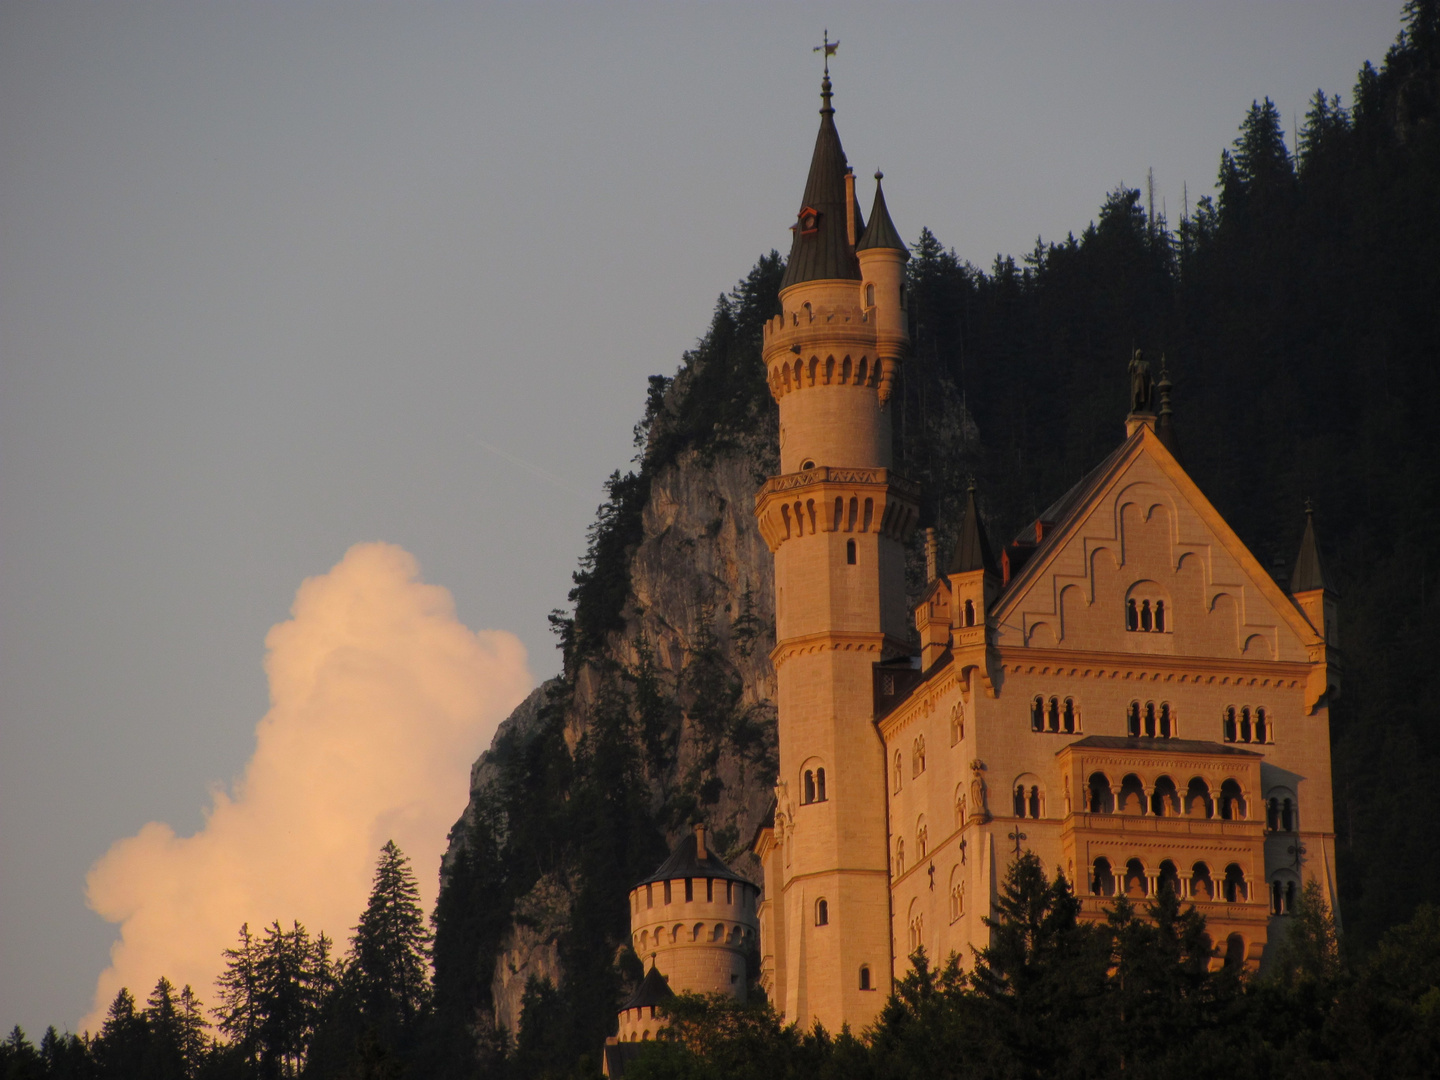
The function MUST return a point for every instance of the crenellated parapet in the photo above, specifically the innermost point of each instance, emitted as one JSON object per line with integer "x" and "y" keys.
{"x": 830, "y": 499}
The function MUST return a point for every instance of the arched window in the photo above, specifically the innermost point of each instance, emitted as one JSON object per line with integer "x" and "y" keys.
{"x": 1201, "y": 885}
{"x": 1054, "y": 715}
{"x": 1102, "y": 799}
{"x": 1234, "y": 952}
{"x": 869, "y": 295}
{"x": 1034, "y": 801}
{"x": 865, "y": 977}
{"x": 1232, "y": 802}
{"x": 850, "y": 552}
{"x": 917, "y": 931}
{"x": 899, "y": 856}
{"x": 1228, "y": 724}
{"x": 957, "y": 895}
{"x": 819, "y": 785}
{"x": 899, "y": 769}
{"x": 1132, "y": 795}
{"x": 1168, "y": 879}
{"x": 969, "y": 613}
{"x": 1287, "y": 815}
{"x": 919, "y": 755}
{"x": 1160, "y": 616}
{"x": 1137, "y": 884}
{"x": 1262, "y": 726}
{"x": 1102, "y": 878}
{"x": 1037, "y": 714}
{"x": 822, "y": 913}
{"x": 1166, "y": 729}
{"x": 1132, "y": 720}
{"x": 1165, "y": 799}
{"x": 1132, "y": 615}
{"x": 1146, "y": 610}
{"x": 808, "y": 788}
{"x": 1149, "y": 719}
{"x": 957, "y": 723}
{"x": 960, "y": 806}
{"x": 1019, "y": 800}
{"x": 1234, "y": 888}
{"x": 1070, "y": 720}
{"x": 1197, "y": 799}
{"x": 1245, "y": 724}
{"x": 922, "y": 838}
{"x": 1145, "y": 623}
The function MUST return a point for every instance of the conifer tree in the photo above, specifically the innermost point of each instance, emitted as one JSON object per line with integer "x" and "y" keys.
{"x": 391, "y": 949}
{"x": 239, "y": 988}
{"x": 121, "y": 1047}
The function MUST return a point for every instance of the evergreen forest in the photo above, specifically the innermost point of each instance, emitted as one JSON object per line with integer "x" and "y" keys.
{"x": 1297, "y": 309}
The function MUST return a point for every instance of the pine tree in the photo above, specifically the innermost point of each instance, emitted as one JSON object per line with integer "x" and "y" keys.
{"x": 122, "y": 1045}
{"x": 391, "y": 949}
{"x": 165, "y": 1051}
{"x": 239, "y": 989}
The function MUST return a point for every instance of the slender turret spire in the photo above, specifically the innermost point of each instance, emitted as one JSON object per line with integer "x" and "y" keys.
{"x": 1309, "y": 572}
{"x": 972, "y": 550}
{"x": 881, "y": 232}
{"x": 1165, "y": 421}
{"x": 821, "y": 248}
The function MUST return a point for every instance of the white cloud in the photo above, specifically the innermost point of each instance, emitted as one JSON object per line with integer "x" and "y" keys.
{"x": 379, "y": 701}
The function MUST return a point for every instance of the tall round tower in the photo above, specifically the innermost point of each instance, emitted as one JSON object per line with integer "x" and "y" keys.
{"x": 836, "y": 519}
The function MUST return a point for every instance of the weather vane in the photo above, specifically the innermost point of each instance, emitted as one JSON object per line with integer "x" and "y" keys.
{"x": 828, "y": 47}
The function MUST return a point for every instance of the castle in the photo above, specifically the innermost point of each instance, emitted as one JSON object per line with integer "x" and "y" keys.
{"x": 1125, "y": 690}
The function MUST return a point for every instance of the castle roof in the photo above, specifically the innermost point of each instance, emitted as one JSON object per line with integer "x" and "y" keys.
{"x": 685, "y": 862}
{"x": 881, "y": 232}
{"x": 1173, "y": 746}
{"x": 821, "y": 248}
{"x": 653, "y": 989}
{"x": 972, "y": 549}
{"x": 1309, "y": 572}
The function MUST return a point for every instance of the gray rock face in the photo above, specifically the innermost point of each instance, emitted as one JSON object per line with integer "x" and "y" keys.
{"x": 701, "y": 585}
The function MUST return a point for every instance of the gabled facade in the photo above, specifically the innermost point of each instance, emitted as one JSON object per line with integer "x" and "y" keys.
{"x": 1124, "y": 691}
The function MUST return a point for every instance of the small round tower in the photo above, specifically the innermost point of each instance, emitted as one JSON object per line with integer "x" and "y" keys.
{"x": 694, "y": 920}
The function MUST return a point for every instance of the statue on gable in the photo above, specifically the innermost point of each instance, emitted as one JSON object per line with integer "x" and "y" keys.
{"x": 1142, "y": 389}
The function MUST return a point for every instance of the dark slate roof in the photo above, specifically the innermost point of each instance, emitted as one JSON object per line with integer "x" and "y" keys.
{"x": 618, "y": 1056}
{"x": 825, "y": 253}
{"x": 882, "y": 232}
{"x": 682, "y": 863}
{"x": 653, "y": 989}
{"x": 972, "y": 549}
{"x": 1309, "y": 572}
{"x": 1174, "y": 746}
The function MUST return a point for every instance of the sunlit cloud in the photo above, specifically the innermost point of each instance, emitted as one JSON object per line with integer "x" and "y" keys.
{"x": 379, "y": 700}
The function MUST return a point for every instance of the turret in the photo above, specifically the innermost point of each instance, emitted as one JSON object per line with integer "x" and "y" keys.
{"x": 1310, "y": 588}
{"x": 974, "y": 585}
{"x": 882, "y": 256}
{"x": 694, "y": 920}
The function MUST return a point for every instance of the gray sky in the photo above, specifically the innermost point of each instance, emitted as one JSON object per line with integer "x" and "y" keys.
{"x": 280, "y": 277}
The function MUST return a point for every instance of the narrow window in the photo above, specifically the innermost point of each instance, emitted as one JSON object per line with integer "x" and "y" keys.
{"x": 1145, "y": 615}
{"x": 1165, "y": 720}
{"x": 1229, "y": 724}
{"x": 1262, "y": 726}
{"x": 1160, "y": 615}
{"x": 1037, "y": 714}
{"x": 1035, "y": 802}
{"x": 1132, "y": 726}
{"x": 1245, "y": 724}
{"x": 869, "y": 295}
{"x": 1054, "y": 714}
{"x": 1019, "y": 800}
{"x": 1287, "y": 816}
{"x": 667, "y": 892}
{"x": 1069, "y": 716}
{"x": 709, "y": 890}
{"x": 1289, "y": 897}
{"x": 819, "y": 785}
{"x": 1132, "y": 616}
{"x": 649, "y": 896}
{"x": 1272, "y": 816}
{"x": 689, "y": 889}
{"x": 1150, "y": 719}
{"x": 864, "y": 976}
{"x": 1277, "y": 897}
{"x": 822, "y": 913}
{"x": 899, "y": 769}
{"x": 850, "y": 552}
{"x": 809, "y": 788}
{"x": 969, "y": 613}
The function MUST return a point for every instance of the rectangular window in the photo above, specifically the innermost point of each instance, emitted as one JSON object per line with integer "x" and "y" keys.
{"x": 689, "y": 889}
{"x": 729, "y": 892}
{"x": 710, "y": 889}
{"x": 649, "y": 896}
{"x": 667, "y": 892}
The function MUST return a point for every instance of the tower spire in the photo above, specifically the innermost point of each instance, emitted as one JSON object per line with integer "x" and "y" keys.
{"x": 1309, "y": 571}
{"x": 821, "y": 249}
{"x": 881, "y": 232}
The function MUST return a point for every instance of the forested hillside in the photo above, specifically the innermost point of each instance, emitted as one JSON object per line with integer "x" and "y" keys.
{"x": 1298, "y": 312}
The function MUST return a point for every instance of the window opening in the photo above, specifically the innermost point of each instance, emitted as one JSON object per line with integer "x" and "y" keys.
{"x": 822, "y": 913}
{"x": 864, "y": 976}
{"x": 819, "y": 785}
{"x": 850, "y": 552}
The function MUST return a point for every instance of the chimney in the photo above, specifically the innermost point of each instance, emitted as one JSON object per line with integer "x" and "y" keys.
{"x": 700, "y": 842}
{"x": 930, "y": 556}
{"x": 850, "y": 207}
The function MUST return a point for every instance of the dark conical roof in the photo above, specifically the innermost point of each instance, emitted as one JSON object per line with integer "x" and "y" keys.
{"x": 653, "y": 989}
{"x": 684, "y": 862}
{"x": 823, "y": 252}
{"x": 1309, "y": 572}
{"x": 882, "y": 232}
{"x": 972, "y": 549}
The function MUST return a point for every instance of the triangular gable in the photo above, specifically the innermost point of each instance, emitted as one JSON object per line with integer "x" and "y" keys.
{"x": 1140, "y": 529}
